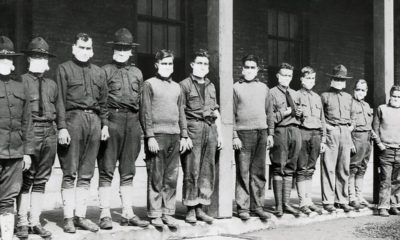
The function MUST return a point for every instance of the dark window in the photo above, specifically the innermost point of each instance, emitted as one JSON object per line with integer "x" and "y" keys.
{"x": 160, "y": 26}
{"x": 286, "y": 41}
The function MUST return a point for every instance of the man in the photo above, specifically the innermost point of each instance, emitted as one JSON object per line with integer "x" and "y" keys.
{"x": 252, "y": 134}
{"x": 335, "y": 162}
{"x": 361, "y": 136}
{"x": 164, "y": 124}
{"x": 16, "y": 133}
{"x": 386, "y": 126}
{"x": 204, "y": 130}
{"x": 82, "y": 110}
{"x": 313, "y": 135}
{"x": 287, "y": 139}
{"x": 124, "y": 82}
{"x": 43, "y": 94}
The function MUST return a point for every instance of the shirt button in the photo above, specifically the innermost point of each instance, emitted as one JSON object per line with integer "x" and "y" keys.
{"x": 11, "y": 105}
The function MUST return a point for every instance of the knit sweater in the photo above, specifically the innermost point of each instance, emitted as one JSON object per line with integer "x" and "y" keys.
{"x": 386, "y": 125}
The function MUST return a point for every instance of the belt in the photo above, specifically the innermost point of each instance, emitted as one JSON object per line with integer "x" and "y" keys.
{"x": 290, "y": 125}
{"x": 86, "y": 110}
{"x": 43, "y": 123}
{"x": 309, "y": 129}
{"x": 124, "y": 110}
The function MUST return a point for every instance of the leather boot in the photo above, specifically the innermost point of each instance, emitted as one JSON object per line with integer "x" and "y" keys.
{"x": 287, "y": 189}
{"x": 191, "y": 215}
{"x": 277, "y": 185}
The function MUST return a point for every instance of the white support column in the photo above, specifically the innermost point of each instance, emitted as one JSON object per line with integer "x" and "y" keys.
{"x": 220, "y": 42}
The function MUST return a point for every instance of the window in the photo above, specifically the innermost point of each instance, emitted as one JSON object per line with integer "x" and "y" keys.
{"x": 160, "y": 26}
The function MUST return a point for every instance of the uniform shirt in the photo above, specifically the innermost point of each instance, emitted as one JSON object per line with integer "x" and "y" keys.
{"x": 386, "y": 125}
{"x": 337, "y": 106}
{"x": 49, "y": 97}
{"x": 81, "y": 86}
{"x": 16, "y": 131}
{"x": 279, "y": 105}
{"x": 362, "y": 115}
{"x": 162, "y": 108}
{"x": 252, "y": 107}
{"x": 313, "y": 114}
{"x": 125, "y": 84}
{"x": 196, "y": 106}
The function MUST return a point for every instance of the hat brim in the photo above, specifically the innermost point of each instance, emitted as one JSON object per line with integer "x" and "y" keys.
{"x": 28, "y": 52}
{"x": 11, "y": 54}
{"x": 338, "y": 77}
{"x": 123, "y": 44}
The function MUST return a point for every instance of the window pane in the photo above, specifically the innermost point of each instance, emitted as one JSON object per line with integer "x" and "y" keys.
{"x": 294, "y": 26}
{"x": 174, "y": 39}
{"x": 272, "y": 22}
{"x": 143, "y": 6}
{"x": 158, "y": 8}
{"x": 283, "y": 24}
{"x": 159, "y": 37}
{"x": 144, "y": 37}
{"x": 174, "y": 7}
{"x": 283, "y": 52}
{"x": 272, "y": 52}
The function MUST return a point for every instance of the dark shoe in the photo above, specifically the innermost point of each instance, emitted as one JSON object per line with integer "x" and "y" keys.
{"x": 383, "y": 212}
{"x": 135, "y": 221}
{"x": 41, "y": 231}
{"x": 69, "y": 226}
{"x": 346, "y": 208}
{"x": 394, "y": 211}
{"x": 157, "y": 222}
{"x": 22, "y": 232}
{"x": 279, "y": 211}
{"x": 329, "y": 208}
{"x": 106, "y": 223}
{"x": 315, "y": 208}
{"x": 244, "y": 216}
{"x": 202, "y": 216}
{"x": 289, "y": 209}
{"x": 169, "y": 221}
{"x": 263, "y": 215}
{"x": 191, "y": 216}
{"x": 356, "y": 205}
{"x": 85, "y": 224}
{"x": 305, "y": 210}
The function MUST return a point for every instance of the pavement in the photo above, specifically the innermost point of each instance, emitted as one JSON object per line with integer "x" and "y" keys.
{"x": 52, "y": 217}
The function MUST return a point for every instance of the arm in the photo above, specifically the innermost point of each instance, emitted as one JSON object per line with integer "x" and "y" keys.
{"x": 269, "y": 111}
{"x": 145, "y": 110}
{"x": 103, "y": 99}
{"x": 27, "y": 126}
{"x": 182, "y": 116}
{"x": 61, "y": 97}
{"x": 235, "y": 100}
{"x": 375, "y": 126}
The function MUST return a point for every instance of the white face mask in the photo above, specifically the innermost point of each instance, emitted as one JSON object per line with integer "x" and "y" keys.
{"x": 339, "y": 85}
{"x": 249, "y": 74}
{"x": 122, "y": 56}
{"x": 6, "y": 66}
{"x": 394, "y": 102}
{"x": 82, "y": 50}
{"x": 307, "y": 83}
{"x": 37, "y": 65}
{"x": 200, "y": 67}
{"x": 165, "y": 67}
{"x": 285, "y": 77}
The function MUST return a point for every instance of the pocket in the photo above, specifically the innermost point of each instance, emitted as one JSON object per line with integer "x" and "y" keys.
{"x": 35, "y": 103}
{"x": 317, "y": 110}
{"x": 76, "y": 90}
{"x": 97, "y": 85}
{"x": 134, "y": 92}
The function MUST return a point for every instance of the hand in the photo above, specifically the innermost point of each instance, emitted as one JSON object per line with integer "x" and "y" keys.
{"x": 299, "y": 112}
{"x": 220, "y": 142}
{"x": 27, "y": 162}
{"x": 189, "y": 144}
{"x": 288, "y": 111}
{"x": 353, "y": 149}
{"x": 153, "y": 145}
{"x": 104, "y": 133}
{"x": 183, "y": 146}
{"x": 322, "y": 148}
{"x": 237, "y": 144}
{"x": 64, "y": 137}
{"x": 270, "y": 142}
{"x": 381, "y": 146}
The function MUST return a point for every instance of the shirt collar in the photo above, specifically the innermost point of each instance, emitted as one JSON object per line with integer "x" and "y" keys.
{"x": 194, "y": 78}
{"x": 168, "y": 79}
{"x": 36, "y": 76}
{"x": 242, "y": 80}
{"x": 284, "y": 90}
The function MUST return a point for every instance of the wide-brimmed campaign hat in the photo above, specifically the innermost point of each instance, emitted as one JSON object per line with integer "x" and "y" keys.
{"x": 123, "y": 37}
{"x": 339, "y": 72}
{"x": 38, "y": 46}
{"x": 7, "y": 47}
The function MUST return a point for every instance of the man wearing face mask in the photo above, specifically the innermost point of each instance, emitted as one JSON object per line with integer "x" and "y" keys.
{"x": 335, "y": 162}
{"x": 361, "y": 136}
{"x": 386, "y": 126}
{"x": 43, "y": 94}
{"x": 287, "y": 139}
{"x": 16, "y": 141}
{"x": 204, "y": 130}
{"x": 313, "y": 135}
{"x": 81, "y": 112}
{"x": 162, "y": 116}
{"x": 124, "y": 82}
{"x": 253, "y": 130}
